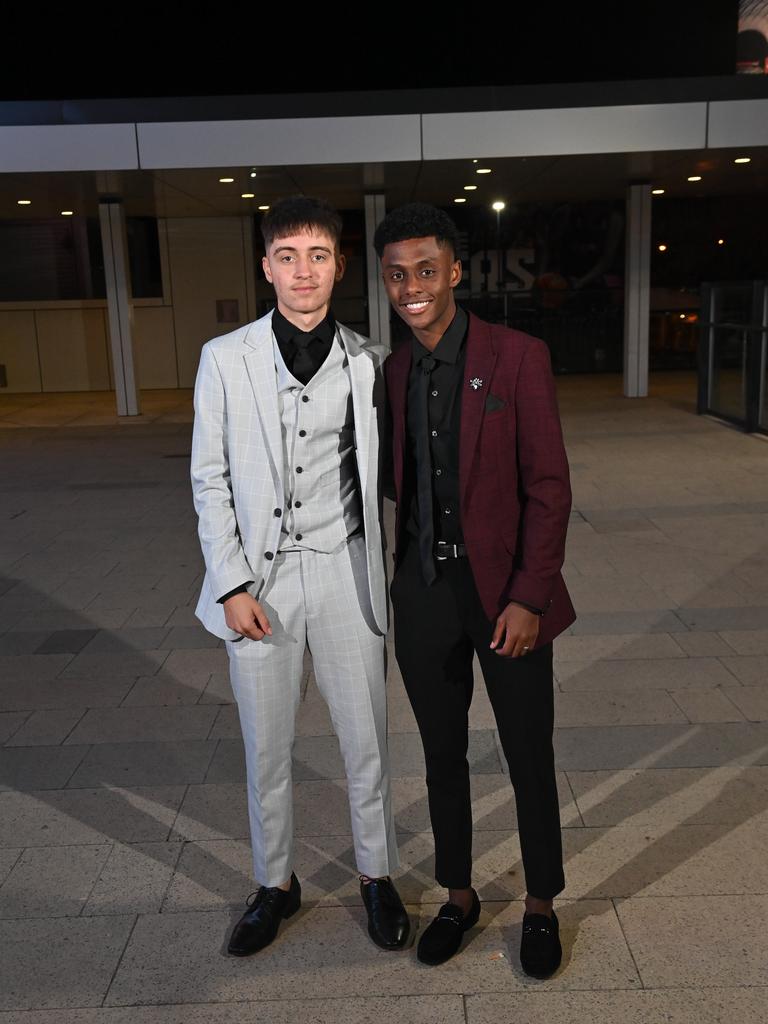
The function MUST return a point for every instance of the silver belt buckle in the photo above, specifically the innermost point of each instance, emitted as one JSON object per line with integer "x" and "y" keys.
{"x": 441, "y": 545}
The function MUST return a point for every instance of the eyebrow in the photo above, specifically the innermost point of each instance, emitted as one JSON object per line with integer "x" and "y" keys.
{"x": 292, "y": 248}
{"x": 419, "y": 263}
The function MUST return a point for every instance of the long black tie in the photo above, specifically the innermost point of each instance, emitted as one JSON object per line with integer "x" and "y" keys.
{"x": 303, "y": 362}
{"x": 424, "y": 477}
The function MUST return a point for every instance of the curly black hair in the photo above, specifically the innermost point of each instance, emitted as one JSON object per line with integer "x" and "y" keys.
{"x": 297, "y": 214}
{"x": 416, "y": 220}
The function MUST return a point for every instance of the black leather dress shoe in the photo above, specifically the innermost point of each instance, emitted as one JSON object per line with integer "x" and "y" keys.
{"x": 388, "y": 923}
{"x": 540, "y": 949}
{"x": 258, "y": 925}
{"x": 442, "y": 938}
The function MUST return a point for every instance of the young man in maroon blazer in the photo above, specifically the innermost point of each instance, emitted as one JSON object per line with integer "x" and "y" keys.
{"x": 483, "y": 500}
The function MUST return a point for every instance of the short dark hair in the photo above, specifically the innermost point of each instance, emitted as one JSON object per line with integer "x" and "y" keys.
{"x": 297, "y": 214}
{"x": 416, "y": 220}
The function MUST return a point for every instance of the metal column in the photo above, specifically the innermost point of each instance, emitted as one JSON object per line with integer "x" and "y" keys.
{"x": 378, "y": 303}
{"x": 120, "y": 311}
{"x": 637, "y": 296}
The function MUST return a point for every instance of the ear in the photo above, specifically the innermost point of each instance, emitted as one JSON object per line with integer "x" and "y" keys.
{"x": 341, "y": 266}
{"x": 266, "y": 268}
{"x": 455, "y": 273}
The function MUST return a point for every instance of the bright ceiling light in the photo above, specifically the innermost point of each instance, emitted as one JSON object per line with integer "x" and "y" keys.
{"x": 460, "y": 199}
{"x": 498, "y": 206}
{"x": 470, "y": 188}
{"x": 263, "y": 207}
{"x": 657, "y": 191}
{"x": 695, "y": 177}
{"x": 743, "y": 160}
{"x": 474, "y": 161}
{"x": 253, "y": 174}
{"x": 24, "y": 202}
{"x": 662, "y": 247}
{"x": 248, "y": 195}
{"x": 721, "y": 241}
{"x": 226, "y": 181}
{"x": 67, "y": 213}
{"x": 483, "y": 170}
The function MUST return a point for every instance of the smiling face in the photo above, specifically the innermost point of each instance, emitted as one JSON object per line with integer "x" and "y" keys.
{"x": 420, "y": 275}
{"x": 303, "y": 269}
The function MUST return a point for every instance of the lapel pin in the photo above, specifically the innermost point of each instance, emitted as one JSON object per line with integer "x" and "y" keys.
{"x": 476, "y": 383}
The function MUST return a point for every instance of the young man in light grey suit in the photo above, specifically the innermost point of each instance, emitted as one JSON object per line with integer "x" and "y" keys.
{"x": 286, "y": 481}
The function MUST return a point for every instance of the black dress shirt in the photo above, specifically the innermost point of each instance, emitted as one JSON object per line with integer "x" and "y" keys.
{"x": 303, "y": 352}
{"x": 445, "y": 369}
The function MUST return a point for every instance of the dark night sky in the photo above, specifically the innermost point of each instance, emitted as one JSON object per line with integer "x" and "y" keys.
{"x": 247, "y": 50}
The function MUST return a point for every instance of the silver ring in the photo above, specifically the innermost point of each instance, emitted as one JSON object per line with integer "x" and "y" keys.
{"x": 526, "y": 648}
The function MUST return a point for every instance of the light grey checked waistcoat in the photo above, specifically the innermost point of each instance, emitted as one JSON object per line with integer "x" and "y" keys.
{"x": 322, "y": 501}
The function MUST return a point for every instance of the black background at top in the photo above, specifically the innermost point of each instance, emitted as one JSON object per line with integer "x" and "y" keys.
{"x": 72, "y": 52}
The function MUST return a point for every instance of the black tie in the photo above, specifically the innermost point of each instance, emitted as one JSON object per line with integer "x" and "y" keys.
{"x": 424, "y": 477}
{"x": 303, "y": 364}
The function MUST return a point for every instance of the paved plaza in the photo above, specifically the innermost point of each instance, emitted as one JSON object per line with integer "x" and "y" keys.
{"x": 124, "y": 854}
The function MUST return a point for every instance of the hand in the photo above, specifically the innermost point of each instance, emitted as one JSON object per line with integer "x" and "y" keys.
{"x": 245, "y": 616}
{"x": 517, "y": 629}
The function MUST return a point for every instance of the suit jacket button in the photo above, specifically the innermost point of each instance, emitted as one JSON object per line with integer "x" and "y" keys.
{"x": 299, "y": 536}
{"x": 269, "y": 555}
{"x": 297, "y": 504}
{"x": 305, "y": 398}
{"x": 299, "y": 469}
{"x": 278, "y": 512}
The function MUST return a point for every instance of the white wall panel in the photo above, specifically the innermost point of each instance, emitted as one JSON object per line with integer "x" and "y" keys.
{"x": 561, "y": 132}
{"x": 155, "y": 346}
{"x": 73, "y": 349}
{"x": 309, "y": 140}
{"x": 206, "y": 263}
{"x": 18, "y": 351}
{"x": 68, "y": 147}
{"x": 738, "y": 123}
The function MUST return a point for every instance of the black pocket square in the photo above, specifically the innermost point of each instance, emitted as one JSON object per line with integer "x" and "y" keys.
{"x": 493, "y": 402}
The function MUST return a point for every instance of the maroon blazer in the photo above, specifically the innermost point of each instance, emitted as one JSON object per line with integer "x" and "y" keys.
{"x": 514, "y": 488}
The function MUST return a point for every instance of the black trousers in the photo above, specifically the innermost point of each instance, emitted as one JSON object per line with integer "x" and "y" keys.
{"x": 437, "y": 631}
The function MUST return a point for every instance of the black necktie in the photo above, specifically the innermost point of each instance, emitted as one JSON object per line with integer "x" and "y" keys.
{"x": 303, "y": 368}
{"x": 424, "y": 476}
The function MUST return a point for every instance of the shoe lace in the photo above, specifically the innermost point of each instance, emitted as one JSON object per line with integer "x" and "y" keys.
{"x": 263, "y": 896}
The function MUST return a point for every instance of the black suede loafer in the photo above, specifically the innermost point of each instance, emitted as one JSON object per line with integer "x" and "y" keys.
{"x": 388, "y": 923}
{"x": 442, "y": 938}
{"x": 258, "y": 925}
{"x": 540, "y": 949}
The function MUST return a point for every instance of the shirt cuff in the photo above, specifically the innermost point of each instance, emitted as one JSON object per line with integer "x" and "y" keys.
{"x": 242, "y": 589}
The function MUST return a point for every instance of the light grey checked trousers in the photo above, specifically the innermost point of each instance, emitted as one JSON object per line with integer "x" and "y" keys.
{"x": 321, "y": 600}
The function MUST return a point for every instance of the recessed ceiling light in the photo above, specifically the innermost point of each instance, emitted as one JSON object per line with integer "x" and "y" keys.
{"x": 662, "y": 248}
{"x": 498, "y": 206}
{"x": 682, "y": 316}
{"x": 226, "y": 181}
{"x": 695, "y": 177}
{"x": 67, "y": 213}
{"x": 253, "y": 174}
{"x": 657, "y": 191}
{"x": 460, "y": 199}
{"x": 743, "y": 160}
{"x": 483, "y": 170}
{"x": 248, "y": 195}
{"x": 263, "y": 207}
{"x": 721, "y": 241}
{"x": 24, "y": 202}
{"x": 474, "y": 161}
{"x": 470, "y": 188}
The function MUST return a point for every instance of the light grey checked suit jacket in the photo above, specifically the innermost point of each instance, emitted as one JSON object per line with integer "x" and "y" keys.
{"x": 237, "y": 463}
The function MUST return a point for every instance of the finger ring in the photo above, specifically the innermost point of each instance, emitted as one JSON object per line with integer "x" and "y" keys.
{"x": 526, "y": 648}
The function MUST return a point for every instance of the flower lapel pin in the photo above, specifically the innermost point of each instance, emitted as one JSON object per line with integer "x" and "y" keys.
{"x": 476, "y": 383}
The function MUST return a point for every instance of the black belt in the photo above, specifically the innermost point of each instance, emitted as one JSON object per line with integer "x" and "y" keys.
{"x": 443, "y": 551}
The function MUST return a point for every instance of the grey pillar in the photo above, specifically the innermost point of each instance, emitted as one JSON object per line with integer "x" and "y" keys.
{"x": 120, "y": 311}
{"x": 378, "y": 303}
{"x": 637, "y": 294}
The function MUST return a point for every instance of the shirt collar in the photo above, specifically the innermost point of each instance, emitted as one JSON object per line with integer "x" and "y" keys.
{"x": 285, "y": 331}
{"x": 448, "y": 349}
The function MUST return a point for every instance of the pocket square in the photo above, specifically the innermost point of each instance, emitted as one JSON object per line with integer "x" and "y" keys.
{"x": 493, "y": 402}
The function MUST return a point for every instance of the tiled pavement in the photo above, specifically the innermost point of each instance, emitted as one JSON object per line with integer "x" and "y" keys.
{"x": 123, "y": 835}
